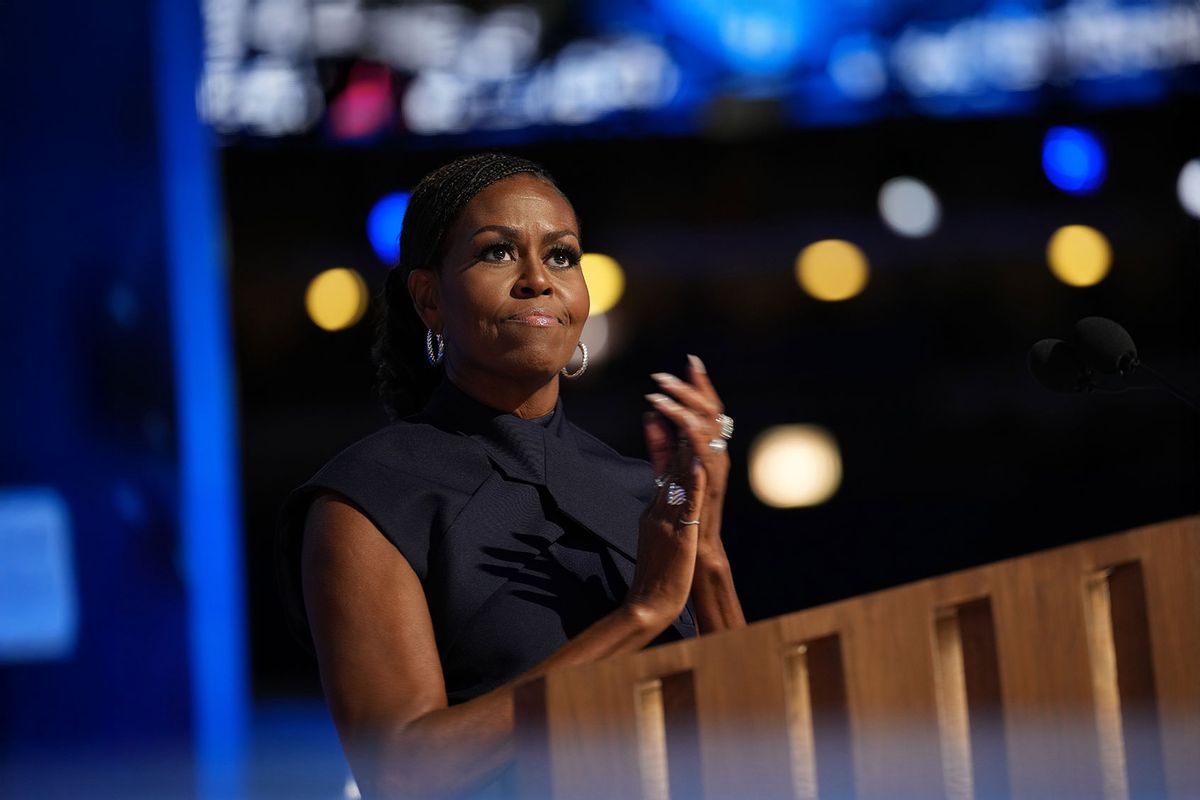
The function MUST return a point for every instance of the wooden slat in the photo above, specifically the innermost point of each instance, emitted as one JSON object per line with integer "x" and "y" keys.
{"x": 1053, "y": 746}
{"x": 1172, "y": 579}
{"x": 741, "y": 689}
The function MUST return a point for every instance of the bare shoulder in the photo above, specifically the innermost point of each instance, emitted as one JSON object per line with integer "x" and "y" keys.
{"x": 370, "y": 621}
{"x": 338, "y": 534}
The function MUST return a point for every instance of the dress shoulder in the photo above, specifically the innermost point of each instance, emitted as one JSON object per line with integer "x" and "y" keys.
{"x": 409, "y": 478}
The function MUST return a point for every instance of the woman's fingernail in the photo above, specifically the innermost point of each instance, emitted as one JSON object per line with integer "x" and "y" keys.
{"x": 656, "y": 397}
{"x": 696, "y": 363}
{"x": 664, "y": 377}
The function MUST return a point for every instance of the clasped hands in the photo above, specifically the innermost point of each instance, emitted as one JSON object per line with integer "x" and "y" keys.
{"x": 681, "y": 528}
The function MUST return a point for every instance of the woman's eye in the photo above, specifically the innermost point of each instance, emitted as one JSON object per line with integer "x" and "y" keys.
{"x": 498, "y": 252}
{"x": 563, "y": 258}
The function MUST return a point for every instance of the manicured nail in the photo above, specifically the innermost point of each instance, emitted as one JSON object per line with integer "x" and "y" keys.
{"x": 657, "y": 398}
{"x": 664, "y": 377}
{"x": 697, "y": 364}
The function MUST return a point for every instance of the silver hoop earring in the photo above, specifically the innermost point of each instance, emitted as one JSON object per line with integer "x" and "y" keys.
{"x": 434, "y": 358}
{"x": 582, "y": 367}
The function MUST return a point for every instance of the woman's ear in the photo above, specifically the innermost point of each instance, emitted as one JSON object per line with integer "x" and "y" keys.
{"x": 426, "y": 297}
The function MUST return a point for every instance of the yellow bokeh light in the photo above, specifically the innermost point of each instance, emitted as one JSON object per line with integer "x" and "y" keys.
{"x": 605, "y": 281}
{"x": 792, "y": 466}
{"x": 1079, "y": 255}
{"x": 336, "y": 299}
{"x": 832, "y": 270}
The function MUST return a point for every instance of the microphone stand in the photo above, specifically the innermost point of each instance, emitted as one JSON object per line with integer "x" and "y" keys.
{"x": 1168, "y": 385}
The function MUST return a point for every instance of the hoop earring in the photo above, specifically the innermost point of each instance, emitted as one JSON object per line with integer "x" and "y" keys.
{"x": 434, "y": 358}
{"x": 582, "y": 367}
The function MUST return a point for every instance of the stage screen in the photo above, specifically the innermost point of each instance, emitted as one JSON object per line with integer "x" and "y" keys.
{"x": 493, "y": 74}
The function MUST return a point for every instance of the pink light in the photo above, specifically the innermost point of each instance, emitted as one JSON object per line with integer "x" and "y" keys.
{"x": 365, "y": 105}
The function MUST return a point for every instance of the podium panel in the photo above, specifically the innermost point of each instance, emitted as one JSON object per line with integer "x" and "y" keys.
{"x": 1070, "y": 673}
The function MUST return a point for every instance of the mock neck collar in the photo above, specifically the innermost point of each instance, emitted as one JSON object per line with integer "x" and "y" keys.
{"x": 517, "y": 446}
{"x": 454, "y": 409}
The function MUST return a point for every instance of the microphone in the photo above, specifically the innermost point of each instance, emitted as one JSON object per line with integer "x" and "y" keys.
{"x": 1102, "y": 357}
{"x": 1058, "y": 367}
{"x": 1106, "y": 346}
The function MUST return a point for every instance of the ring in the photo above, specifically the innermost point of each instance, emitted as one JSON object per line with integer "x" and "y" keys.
{"x": 717, "y": 445}
{"x": 726, "y": 423}
{"x": 689, "y": 522}
{"x": 676, "y": 494}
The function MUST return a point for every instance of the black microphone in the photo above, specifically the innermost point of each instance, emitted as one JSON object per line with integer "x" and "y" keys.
{"x": 1103, "y": 357}
{"x": 1106, "y": 346}
{"x": 1058, "y": 367}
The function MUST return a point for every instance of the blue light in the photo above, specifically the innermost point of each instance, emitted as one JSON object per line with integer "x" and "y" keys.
{"x": 383, "y": 226}
{"x": 756, "y": 38}
{"x": 39, "y": 597}
{"x": 1074, "y": 160}
{"x": 210, "y": 512}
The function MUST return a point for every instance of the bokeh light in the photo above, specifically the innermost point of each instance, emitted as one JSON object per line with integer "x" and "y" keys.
{"x": 596, "y": 336}
{"x": 832, "y": 270}
{"x": 336, "y": 299}
{"x": 909, "y": 207}
{"x": 793, "y": 466}
{"x": 605, "y": 281}
{"x": 1188, "y": 187}
{"x": 1079, "y": 255}
{"x": 1073, "y": 160}
{"x": 365, "y": 106}
{"x": 383, "y": 226}
{"x": 858, "y": 68}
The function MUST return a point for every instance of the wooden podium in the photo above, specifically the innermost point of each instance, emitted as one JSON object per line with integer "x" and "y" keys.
{"x": 1071, "y": 673}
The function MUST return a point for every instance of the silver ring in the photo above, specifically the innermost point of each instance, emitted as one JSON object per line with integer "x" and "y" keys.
{"x": 726, "y": 423}
{"x": 717, "y": 445}
{"x": 676, "y": 494}
{"x": 689, "y": 522}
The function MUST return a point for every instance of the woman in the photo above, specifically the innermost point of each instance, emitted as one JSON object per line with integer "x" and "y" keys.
{"x": 486, "y": 539}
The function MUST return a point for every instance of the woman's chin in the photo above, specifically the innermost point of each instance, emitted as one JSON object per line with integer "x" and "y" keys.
{"x": 533, "y": 356}
{"x": 536, "y": 369}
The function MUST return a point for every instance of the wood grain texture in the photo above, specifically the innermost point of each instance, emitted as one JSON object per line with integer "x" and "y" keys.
{"x": 1028, "y": 697}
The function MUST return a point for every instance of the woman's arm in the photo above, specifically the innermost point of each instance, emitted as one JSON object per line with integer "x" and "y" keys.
{"x": 696, "y": 404}
{"x": 714, "y": 597}
{"x": 379, "y": 660}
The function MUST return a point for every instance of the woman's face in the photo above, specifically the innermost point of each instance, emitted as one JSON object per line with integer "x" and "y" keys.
{"x": 510, "y": 298}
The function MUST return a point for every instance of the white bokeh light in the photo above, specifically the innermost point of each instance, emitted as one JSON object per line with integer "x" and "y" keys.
{"x": 909, "y": 207}
{"x": 792, "y": 466}
{"x": 1188, "y": 187}
{"x": 596, "y": 336}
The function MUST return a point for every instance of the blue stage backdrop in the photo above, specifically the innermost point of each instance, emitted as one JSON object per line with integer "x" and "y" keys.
{"x": 120, "y": 625}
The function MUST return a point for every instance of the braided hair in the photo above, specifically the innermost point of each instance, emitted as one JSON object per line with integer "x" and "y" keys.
{"x": 405, "y": 379}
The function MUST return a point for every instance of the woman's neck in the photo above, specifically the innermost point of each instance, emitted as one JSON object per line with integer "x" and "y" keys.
{"x": 523, "y": 400}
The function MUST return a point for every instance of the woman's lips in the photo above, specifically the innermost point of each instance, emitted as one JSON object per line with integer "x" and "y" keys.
{"x": 535, "y": 317}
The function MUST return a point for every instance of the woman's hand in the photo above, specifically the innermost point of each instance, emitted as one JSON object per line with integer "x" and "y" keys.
{"x": 667, "y": 542}
{"x": 693, "y": 406}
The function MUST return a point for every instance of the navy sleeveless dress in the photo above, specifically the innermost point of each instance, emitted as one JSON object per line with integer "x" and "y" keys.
{"x": 523, "y": 532}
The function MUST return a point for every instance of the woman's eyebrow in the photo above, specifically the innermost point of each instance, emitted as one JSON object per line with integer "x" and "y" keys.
{"x": 512, "y": 233}
{"x": 504, "y": 229}
{"x": 552, "y": 235}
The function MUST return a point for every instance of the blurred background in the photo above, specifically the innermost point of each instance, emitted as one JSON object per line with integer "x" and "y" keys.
{"x": 861, "y": 214}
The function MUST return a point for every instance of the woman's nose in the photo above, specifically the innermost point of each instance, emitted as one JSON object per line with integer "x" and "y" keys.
{"x": 533, "y": 281}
